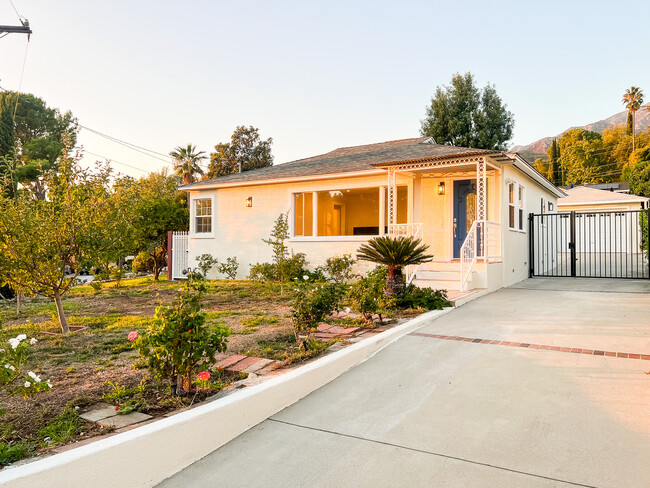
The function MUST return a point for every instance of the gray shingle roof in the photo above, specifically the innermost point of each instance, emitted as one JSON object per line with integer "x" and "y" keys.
{"x": 348, "y": 160}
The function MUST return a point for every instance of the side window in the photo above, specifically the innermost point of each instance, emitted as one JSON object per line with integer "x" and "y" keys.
{"x": 511, "y": 205}
{"x": 520, "y": 205}
{"x": 203, "y": 215}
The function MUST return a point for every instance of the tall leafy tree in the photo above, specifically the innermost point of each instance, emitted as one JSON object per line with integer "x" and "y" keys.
{"x": 461, "y": 114}
{"x": 44, "y": 243}
{"x": 41, "y": 134}
{"x": 245, "y": 151}
{"x": 160, "y": 208}
{"x": 186, "y": 162}
{"x": 633, "y": 99}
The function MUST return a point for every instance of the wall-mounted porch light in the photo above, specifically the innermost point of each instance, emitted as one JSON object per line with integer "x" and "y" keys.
{"x": 441, "y": 188}
{"x": 249, "y": 202}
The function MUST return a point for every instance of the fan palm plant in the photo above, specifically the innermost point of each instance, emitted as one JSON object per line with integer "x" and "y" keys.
{"x": 186, "y": 162}
{"x": 395, "y": 253}
{"x": 633, "y": 99}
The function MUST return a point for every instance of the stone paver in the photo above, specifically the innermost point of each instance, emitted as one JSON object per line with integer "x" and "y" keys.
{"x": 119, "y": 421}
{"x": 101, "y": 411}
{"x": 259, "y": 365}
{"x": 229, "y": 361}
{"x": 244, "y": 363}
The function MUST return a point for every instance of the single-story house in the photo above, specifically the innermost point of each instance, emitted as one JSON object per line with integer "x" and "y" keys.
{"x": 469, "y": 205}
{"x": 589, "y": 199}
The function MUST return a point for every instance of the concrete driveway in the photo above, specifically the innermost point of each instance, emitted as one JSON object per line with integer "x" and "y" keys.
{"x": 451, "y": 405}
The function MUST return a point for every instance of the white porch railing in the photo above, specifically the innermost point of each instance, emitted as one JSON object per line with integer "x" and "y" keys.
{"x": 407, "y": 230}
{"x": 483, "y": 241}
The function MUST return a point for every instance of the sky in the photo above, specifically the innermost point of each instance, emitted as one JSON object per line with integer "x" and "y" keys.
{"x": 314, "y": 76}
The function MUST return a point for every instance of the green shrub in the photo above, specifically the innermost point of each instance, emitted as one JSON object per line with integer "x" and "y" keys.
{"x": 262, "y": 272}
{"x": 117, "y": 273}
{"x": 311, "y": 304}
{"x": 205, "y": 262}
{"x": 142, "y": 263}
{"x": 395, "y": 253}
{"x": 13, "y": 380}
{"x": 229, "y": 268}
{"x": 294, "y": 268}
{"x": 61, "y": 428}
{"x": 368, "y": 294}
{"x": 178, "y": 340}
{"x": 426, "y": 298}
{"x": 338, "y": 268}
{"x": 10, "y": 452}
{"x": 96, "y": 286}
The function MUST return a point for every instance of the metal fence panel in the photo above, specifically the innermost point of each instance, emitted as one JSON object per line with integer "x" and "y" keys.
{"x": 590, "y": 244}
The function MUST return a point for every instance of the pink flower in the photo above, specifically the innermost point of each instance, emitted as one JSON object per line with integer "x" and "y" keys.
{"x": 180, "y": 290}
{"x": 117, "y": 408}
{"x": 133, "y": 335}
{"x": 203, "y": 376}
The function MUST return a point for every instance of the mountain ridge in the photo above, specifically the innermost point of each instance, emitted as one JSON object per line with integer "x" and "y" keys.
{"x": 538, "y": 148}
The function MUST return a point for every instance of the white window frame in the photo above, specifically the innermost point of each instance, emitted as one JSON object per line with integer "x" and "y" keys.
{"x": 521, "y": 208}
{"x": 512, "y": 204}
{"x": 344, "y": 238}
{"x": 518, "y": 206}
{"x": 201, "y": 235}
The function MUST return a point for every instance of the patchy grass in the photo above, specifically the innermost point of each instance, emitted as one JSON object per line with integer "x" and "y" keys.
{"x": 82, "y": 365}
{"x": 286, "y": 349}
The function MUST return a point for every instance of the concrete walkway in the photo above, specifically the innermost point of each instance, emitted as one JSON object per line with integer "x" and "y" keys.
{"x": 427, "y": 411}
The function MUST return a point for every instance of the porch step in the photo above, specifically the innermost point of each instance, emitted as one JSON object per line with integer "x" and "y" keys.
{"x": 425, "y": 274}
{"x": 449, "y": 266}
{"x": 440, "y": 284}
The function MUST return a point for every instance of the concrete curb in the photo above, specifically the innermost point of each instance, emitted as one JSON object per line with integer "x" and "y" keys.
{"x": 145, "y": 456}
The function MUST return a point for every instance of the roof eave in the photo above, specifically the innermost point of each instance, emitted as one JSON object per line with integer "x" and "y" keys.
{"x": 274, "y": 181}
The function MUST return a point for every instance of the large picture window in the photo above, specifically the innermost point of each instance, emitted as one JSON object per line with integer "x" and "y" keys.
{"x": 203, "y": 215}
{"x": 346, "y": 212}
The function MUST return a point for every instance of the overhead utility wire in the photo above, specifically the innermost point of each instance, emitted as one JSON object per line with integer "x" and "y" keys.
{"x": 116, "y": 161}
{"x": 135, "y": 147}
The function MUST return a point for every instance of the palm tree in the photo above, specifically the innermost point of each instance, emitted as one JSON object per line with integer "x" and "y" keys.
{"x": 186, "y": 162}
{"x": 394, "y": 252}
{"x": 633, "y": 99}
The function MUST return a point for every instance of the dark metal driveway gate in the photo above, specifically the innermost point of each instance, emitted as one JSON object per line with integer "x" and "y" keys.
{"x": 590, "y": 244}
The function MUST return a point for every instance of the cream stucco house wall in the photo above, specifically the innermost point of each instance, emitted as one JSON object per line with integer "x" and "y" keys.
{"x": 469, "y": 205}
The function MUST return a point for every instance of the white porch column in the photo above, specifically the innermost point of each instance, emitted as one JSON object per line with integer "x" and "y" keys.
{"x": 481, "y": 205}
{"x": 391, "y": 198}
{"x": 481, "y": 190}
{"x": 314, "y": 217}
{"x": 382, "y": 210}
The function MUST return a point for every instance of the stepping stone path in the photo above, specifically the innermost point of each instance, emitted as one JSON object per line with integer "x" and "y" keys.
{"x": 236, "y": 363}
{"x": 106, "y": 416}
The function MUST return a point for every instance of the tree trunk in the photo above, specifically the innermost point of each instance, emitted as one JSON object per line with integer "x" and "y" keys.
{"x": 59, "y": 310}
{"x": 394, "y": 281}
{"x": 19, "y": 301}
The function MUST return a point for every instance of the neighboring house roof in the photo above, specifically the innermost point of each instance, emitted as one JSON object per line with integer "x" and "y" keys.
{"x": 366, "y": 159}
{"x": 583, "y": 195}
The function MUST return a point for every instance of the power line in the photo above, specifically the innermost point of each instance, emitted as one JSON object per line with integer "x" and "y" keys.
{"x": 116, "y": 161}
{"x": 20, "y": 17}
{"x": 129, "y": 145}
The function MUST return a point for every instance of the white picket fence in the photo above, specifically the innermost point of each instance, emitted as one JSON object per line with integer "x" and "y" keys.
{"x": 180, "y": 251}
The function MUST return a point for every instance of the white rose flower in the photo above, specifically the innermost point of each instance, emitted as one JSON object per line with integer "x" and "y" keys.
{"x": 27, "y": 384}
{"x": 9, "y": 366}
{"x": 21, "y": 337}
{"x": 32, "y": 375}
{"x": 49, "y": 384}
{"x": 13, "y": 342}
{"x": 347, "y": 309}
{"x": 305, "y": 277}
{"x": 32, "y": 341}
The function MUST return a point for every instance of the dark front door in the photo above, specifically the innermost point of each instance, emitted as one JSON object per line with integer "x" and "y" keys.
{"x": 464, "y": 211}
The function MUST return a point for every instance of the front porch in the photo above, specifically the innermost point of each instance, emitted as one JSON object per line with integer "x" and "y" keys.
{"x": 454, "y": 206}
